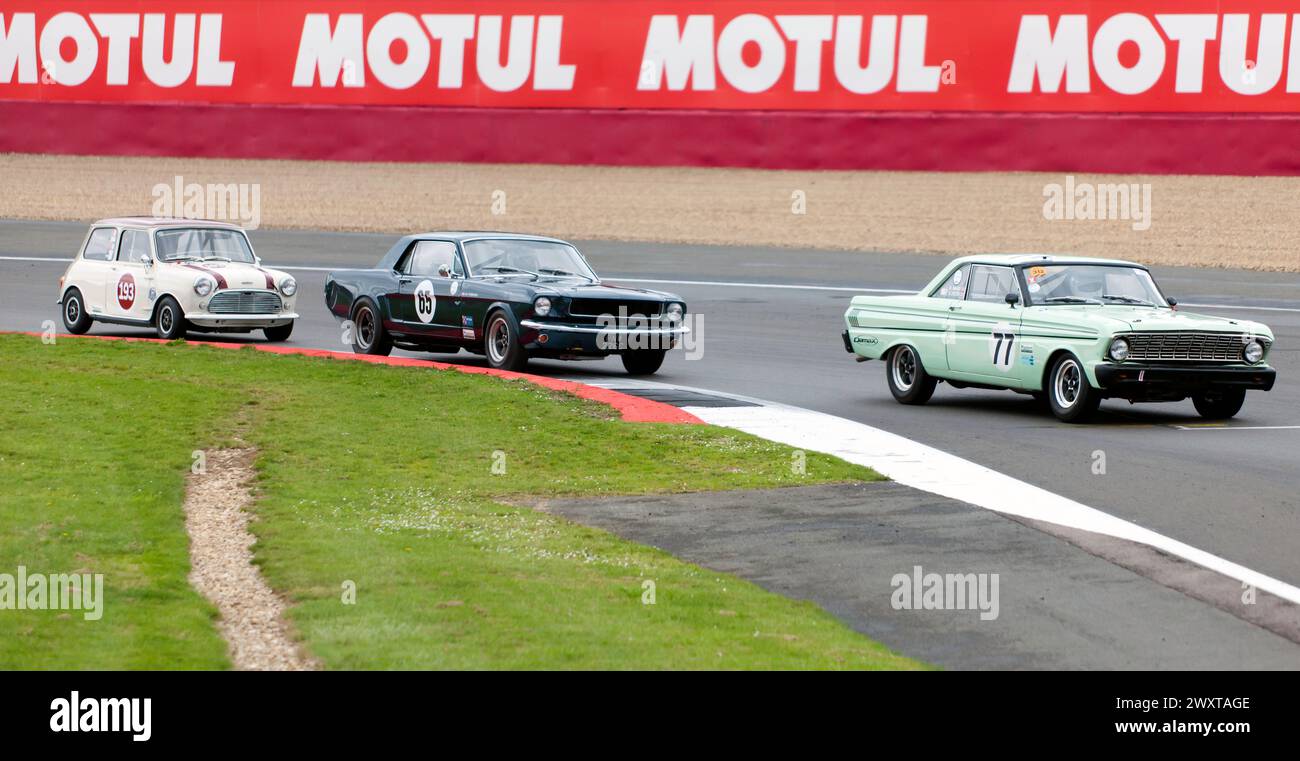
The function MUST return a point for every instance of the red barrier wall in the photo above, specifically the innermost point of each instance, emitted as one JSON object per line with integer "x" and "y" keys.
{"x": 1083, "y": 85}
{"x": 1168, "y": 144}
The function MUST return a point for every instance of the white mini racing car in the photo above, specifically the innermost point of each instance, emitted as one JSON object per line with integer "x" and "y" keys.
{"x": 175, "y": 275}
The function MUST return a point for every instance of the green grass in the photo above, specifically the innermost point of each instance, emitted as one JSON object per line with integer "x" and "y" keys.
{"x": 379, "y": 477}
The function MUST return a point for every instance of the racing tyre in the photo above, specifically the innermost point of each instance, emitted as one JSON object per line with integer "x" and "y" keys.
{"x": 1220, "y": 404}
{"x": 368, "y": 334}
{"x": 279, "y": 333}
{"x": 908, "y": 380}
{"x": 501, "y": 344}
{"x": 643, "y": 362}
{"x": 169, "y": 320}
{"x": 1071, "y": 398}
{"x": 75, "y": 319}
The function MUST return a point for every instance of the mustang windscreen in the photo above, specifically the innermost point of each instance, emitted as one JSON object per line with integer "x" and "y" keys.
{"x": 203, "y": 244}
{"x": 1091, "y": 284}
{"x": 528, "y": 257}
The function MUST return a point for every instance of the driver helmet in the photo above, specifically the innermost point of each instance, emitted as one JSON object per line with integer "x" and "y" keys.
{"x": 1086, "y": 282}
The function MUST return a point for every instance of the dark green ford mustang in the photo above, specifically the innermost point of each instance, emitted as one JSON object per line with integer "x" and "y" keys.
{"x": 505, "y": 296}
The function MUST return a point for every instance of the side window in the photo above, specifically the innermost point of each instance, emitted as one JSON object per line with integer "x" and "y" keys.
{"x": 955, "y": 286}
{"x": 99, "y": 247}
{"x": 429, "y": 257}
{"x": 134, "y": 246}
{"x": 991, "y": 284}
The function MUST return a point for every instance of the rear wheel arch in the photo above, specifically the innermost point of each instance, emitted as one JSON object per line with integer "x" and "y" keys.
{"x": 908, "y": 383}
{"x": 893, "y": 347}
{"x": 380, "y": 343}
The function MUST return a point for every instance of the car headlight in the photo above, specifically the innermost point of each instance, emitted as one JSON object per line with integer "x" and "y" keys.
{"x": 203, "y": 285}
{"x": 288, "y": 286}
{"x": 1253, "y": 352}
{"x": 1119, "y": 349}
{"x": 674, "y": 312}
{"x": 542, "y": 306}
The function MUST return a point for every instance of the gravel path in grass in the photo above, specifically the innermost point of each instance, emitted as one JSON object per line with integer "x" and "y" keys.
{"x": 252, "y": 616}
{"x": 1236, "y": 222}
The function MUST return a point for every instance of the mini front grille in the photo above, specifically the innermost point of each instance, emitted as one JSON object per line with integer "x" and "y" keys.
{"x": 1202, "y": 347}
{"x": 245, "y": 302}
{"x": 615, "y": 307}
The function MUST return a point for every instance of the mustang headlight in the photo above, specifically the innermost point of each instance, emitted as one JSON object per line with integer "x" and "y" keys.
{"x": 203, "y": 285}
{"x": 288, "y": 286}
{"x": 1119, "y": 350}
{"x": 674, "y": 312}
{"x": 1253, "y": 352}
{"x": 542, "y": 306}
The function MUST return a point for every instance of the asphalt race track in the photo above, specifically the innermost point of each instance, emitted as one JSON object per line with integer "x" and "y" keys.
{"x": 1228, "y": 490}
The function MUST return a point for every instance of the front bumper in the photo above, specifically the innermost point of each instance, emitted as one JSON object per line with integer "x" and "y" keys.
{"x": 595, "y": 340}
{"x": 233, "y": 321}
{"x": 1144, "y": 379}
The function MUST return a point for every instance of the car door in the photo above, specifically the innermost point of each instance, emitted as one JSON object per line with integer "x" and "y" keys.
{"x": 424, "y": 303}
{"x": 983, "y": 330}
{"x": 92, "y": 271}
{"x": 130, "y": 281}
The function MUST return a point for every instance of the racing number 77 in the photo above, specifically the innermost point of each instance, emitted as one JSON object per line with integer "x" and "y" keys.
{"x": 1009, "y": 339}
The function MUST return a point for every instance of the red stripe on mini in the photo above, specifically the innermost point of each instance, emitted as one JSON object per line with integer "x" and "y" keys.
{"x": 221, "y": 281}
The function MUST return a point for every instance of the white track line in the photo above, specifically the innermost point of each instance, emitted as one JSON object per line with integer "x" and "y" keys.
{"x": 922, "y": 467}
{"x": 774, "y": 286}
{"x": 722, "y": 284}
{"x": 1237, "y": 427}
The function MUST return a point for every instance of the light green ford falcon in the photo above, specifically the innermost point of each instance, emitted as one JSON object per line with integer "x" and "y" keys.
{"x": 1071, "y": 331}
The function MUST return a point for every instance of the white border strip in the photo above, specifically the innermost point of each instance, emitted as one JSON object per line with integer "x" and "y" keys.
{"x": 922, "y": 467}
{"x": 914, "y": 464}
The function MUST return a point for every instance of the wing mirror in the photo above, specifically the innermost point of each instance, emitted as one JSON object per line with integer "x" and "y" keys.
{"x": 1173, "y": 302}
{"x": 444, "y": 270}
{"x": 146, "y": 260}
{"x": 1013, "y": 298}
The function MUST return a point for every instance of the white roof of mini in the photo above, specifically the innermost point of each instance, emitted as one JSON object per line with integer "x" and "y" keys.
{"x": 158, "y": 222}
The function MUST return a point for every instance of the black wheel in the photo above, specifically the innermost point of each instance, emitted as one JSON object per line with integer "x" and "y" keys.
{"x": 75, "y": 319}
{"x": 368, "y": 334}
{"x": 644, "y": 361}
{"x": 1070, "y": 396}
{"x": 1220, "y": 404}
{"x": 501, "y": 344}
{"x": 279, "y": 333}
{"x": 169, "y": 320}
{"x": 908, "y": 380}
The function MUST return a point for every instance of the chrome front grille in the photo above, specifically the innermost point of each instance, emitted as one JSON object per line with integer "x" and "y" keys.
{"x": 1182, "y": 347}
{"x": 615, "y": 307}
{"x": 245, "y": 302}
